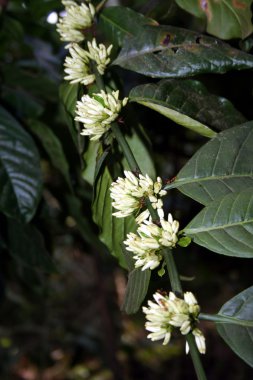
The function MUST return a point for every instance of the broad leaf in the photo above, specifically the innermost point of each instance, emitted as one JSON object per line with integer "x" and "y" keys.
{"x": 20, "y": 174}
{"x": 137, "y": 287}
{"x": 169, "y": 52}
{"x": 116, "y": 23}
{"x": 239, "y": 338}
{"x": 225, "y": 226}
{"x": 226, "y": 19}
{"x": 188, "y": 103}
{"x": 223, "y": 165}
{"x": 89, "y": 159}
{"x": 53, "y": 147}
{"x": 27, "y": 246}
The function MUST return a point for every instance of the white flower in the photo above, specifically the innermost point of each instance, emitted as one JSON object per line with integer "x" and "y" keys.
{"x": 129, "y": 195}
{"x": 77, "y": 19}
{"x": 149, "y": 241}
{"x": 98, "y": 112}
{"x": 77, "y": 66}
{"x": 99, "y": 54}
{"x": 168, "y": 312}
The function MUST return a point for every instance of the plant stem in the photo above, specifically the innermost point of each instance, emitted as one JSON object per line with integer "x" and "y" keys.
{"x": 195, "y": 357}
{"x": 172, "y": 272}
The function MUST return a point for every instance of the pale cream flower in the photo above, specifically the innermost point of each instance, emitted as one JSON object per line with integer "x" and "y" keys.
{"x": 147, "y": 244}
{"x": 100, "y": 54}
{"x": 168, "y": 312}
{"x": 129, "y": 195}
{"x": 98, "y": 112}
{"x": 77, "y": 66}
{"x": 71, "y": 27}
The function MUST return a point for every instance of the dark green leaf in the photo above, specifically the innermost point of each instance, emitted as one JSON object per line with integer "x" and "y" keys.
{"x": 225, "y": 226}
{"x": 239, "y": 338}
{"x": 188, "y": 103}
{"x": 69, "y": 96}
{"x": 53, "y": 148}
{"x": 116, "y": 23}
{"x": 27, "y": 246}
{"x": 137, "y": 287}
{"x": 20, "y": 174}
{"x": 167, "y": 52}
{"x": 221, "y": 166}
{"x": 226, "y": 19}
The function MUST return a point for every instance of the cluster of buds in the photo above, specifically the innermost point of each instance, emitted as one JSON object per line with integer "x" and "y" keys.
{"x": 147, "y": 244}
{"x": 97, "y": 112}
{"x": 77, "y": 18}
{"x": 129, "y": 195}
{"x": 168, "y": 312}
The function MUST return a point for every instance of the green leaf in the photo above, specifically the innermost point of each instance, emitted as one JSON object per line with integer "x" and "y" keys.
{"x": 89, "y": 159}
{"x": 226, "y": 19}
{"x": 188, "y": 103}
{"x": 225, "y": 226}
{"x": 169, "y": 52}
{"x": 223, "y": 165}
{"x": 69, "y": 95}
{"x": 116, "y": 23}
{"x": 137, "y": 287}
{"x": 112, "y": 230}
{"x": 27, "y": 246}
{"x": 53, "y": 147}
{"x": 239, "y": 338}
{"x": 20, "y": 174}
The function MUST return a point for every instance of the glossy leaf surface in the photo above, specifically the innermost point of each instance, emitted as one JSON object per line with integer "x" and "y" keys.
{"x": 239, "y": 338}
{"x": 223, "y": 165}
{"x": 188, "y": 103}
{"x": 20, "y": 174}
{"x": 225, "y": 226}
{"x": 170, "y": 52}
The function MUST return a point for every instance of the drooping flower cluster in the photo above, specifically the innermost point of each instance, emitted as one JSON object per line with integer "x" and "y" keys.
{"x": 78, "y": 18}
{"x": 168, "y": 312}
{"x": 129, "y": 194}
{"x": 97, "y": 112}
{"x": 146, "y": 245}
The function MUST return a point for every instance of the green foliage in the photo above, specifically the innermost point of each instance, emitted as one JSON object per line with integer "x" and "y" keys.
{"x": 226, "y": 225}
{"x": 20, "y": 176}
{"x": 189, "y": 104}
{"x": 226, "y": 19}
{"x": 239, "y": 337}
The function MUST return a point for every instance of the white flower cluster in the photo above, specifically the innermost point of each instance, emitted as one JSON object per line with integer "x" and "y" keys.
{"x": 77, "y": 66}
{"x": 168, "y": 312}
{"x": 129, "y": 193}
{"x": 149, "y": 240}
{"x": 77, "y": 19}
{"x": 97, "y": 112}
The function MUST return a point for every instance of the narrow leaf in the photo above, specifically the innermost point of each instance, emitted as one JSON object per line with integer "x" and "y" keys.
{"x": 137, "y": 287}
{"x": 20, "y": 174}
{"x": 225, "y": 226}
{"x": 223, "y": 165}
{"x": 188, "y": 103}
{"x": 170, "y": 52}
{"x": 226, "y": 19}
{"x": 239, "y": 338}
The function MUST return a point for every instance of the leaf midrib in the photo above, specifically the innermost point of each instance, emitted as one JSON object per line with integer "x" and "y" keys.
{"x": 218, "y": 227}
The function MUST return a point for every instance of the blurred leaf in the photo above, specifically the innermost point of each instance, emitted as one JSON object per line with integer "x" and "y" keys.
{"x": 137, "y": 287}
{"x": 89, "y": 159}
{"x": 223, "y": 165}
{"x": 25, "y": 105}
{"x": 225, "y": 226}
{"x": 43, "y": 8}
{"x": 69, "y": 96}
{"x": 116, "y": 23}
{"x": 239, "y": 338}
{"x": 27, "y": 246}
{"x": 226, "y": 19}
{"x": 53, "y": 147}
{"x": 20, "y": 175}
{"x": 188, "y": 103}
{"x": 167, "y": 52}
